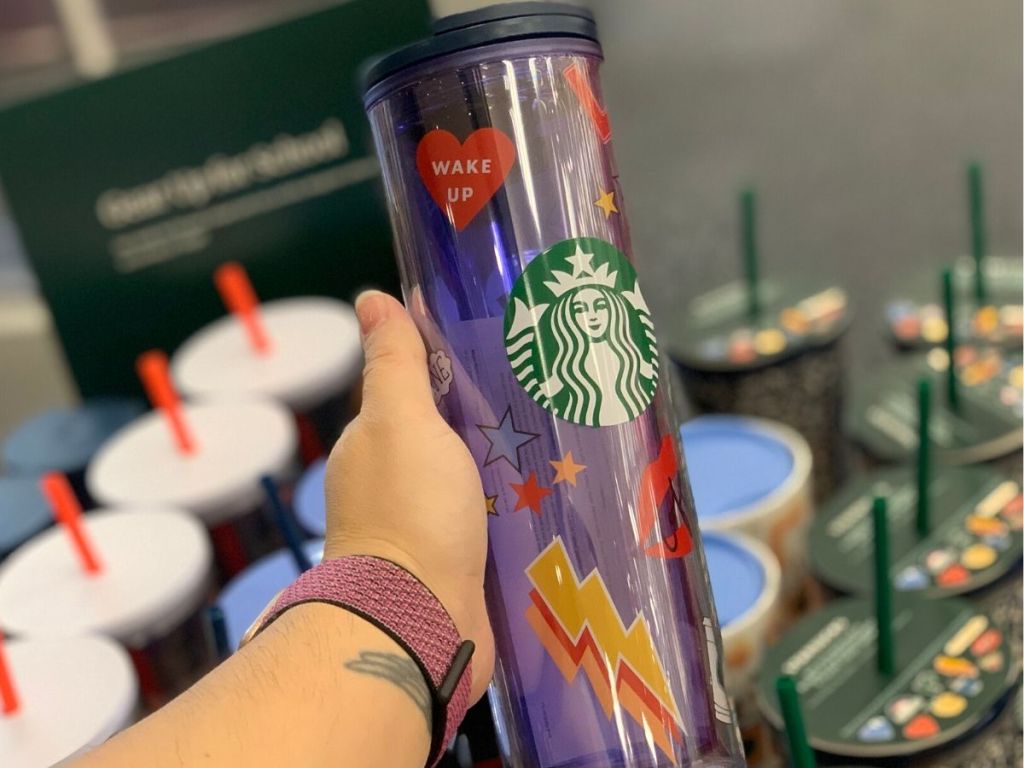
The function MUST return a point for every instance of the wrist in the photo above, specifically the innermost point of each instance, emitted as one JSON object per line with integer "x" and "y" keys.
{"x": 391, "y": 598}
{"x": 385, "y": 549}
{"x": 336, "y": 547}
{"x": 364, "y": 682}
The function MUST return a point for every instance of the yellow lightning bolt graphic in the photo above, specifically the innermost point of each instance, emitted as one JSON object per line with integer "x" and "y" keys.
{"x": 590, "y": 622}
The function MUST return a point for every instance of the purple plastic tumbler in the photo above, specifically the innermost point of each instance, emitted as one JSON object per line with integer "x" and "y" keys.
{"x": 512, "y": 242}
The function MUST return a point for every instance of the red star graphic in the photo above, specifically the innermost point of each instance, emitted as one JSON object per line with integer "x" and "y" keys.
{"x": 530, "y": 494}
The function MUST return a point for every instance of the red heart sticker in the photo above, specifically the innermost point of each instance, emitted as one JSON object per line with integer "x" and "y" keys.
{"x": 921, "y": 727}
{"x": 462, "y": 178}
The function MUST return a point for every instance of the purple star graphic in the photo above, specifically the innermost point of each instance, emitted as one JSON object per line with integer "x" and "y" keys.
{"x": 505, "y": 441}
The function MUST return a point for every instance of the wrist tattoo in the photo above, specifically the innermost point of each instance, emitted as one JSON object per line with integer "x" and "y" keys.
{"x": 399, "y": 670}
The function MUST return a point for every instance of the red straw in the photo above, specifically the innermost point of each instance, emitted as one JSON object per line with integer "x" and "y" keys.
{"x": 156, "y": 378}
{"x": 8, "y": 693}
{"x": 237, "y": 293}
{"x": 68, "y": 513}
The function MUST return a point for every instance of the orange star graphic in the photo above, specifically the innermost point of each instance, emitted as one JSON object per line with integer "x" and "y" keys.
{"x": 491, "y": 502}
{"x": 567, "y": 469}
{"x": 530, "y": 494}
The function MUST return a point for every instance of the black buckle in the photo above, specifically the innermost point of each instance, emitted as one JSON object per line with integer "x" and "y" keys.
{"x": 442, "y": 696}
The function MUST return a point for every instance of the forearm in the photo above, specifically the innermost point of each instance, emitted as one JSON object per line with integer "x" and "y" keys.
{"x": 319, "y": 687}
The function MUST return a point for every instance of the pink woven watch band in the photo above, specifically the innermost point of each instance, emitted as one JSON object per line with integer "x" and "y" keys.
{"x": 394, "y": 600}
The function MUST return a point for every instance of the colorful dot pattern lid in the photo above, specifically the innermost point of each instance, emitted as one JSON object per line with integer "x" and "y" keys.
{"x": 953, "y": 673}
{"x": 720, "y": 335}
{"x": 915, "y": 319}
{"x": 882, "y": 414}
{"x": 973, "y": 541}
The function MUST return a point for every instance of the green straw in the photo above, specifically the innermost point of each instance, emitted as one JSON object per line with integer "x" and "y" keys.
{"x": 952, "y": 393}
{"x": 978, "y": 244}
{"x": 883, "y": 589}
{"x": 800, "y": 753}
{"x": 924, "y": 461}
{"x": 748, "y": 223}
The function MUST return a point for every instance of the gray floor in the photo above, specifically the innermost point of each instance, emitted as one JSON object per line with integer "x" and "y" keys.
{"x": 853, "y": 118}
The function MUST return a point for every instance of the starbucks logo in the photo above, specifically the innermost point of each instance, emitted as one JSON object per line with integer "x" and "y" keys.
{"x": 579, "y": 335}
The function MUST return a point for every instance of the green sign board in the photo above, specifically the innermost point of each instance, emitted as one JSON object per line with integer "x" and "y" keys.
{"x": 127, "y": 192}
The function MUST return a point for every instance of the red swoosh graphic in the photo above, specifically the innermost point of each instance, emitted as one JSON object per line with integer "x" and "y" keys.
{"x": 581, "y": 87}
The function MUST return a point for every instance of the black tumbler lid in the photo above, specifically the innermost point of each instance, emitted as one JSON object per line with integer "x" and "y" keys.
{"x": 493, "y": 24}
{"x": 505, "y": 11}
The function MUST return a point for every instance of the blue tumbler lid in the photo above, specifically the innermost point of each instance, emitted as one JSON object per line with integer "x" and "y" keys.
{"x": 737, "y": 576}
{"x": 496, "y": 23}
{"x": 310, "y": 505}
{"x": 65, "y": 439}
{"x": 247, "y": 594}
{"x": 24, "y": 511}
{"x": 732, "y": 463}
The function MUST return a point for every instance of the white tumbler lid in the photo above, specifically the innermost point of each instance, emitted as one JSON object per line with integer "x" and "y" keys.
{"x": 74, "y": 694}
{"x": 237, "y": 442}
{"x": 315, "y": 354}
{"x": 155, "y": 569}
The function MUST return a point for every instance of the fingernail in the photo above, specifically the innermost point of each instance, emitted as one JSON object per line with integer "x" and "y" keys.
{"x": 371, "y": 309}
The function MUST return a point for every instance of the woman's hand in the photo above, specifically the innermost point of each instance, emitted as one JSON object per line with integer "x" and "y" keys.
{"x": 402, "y": 485}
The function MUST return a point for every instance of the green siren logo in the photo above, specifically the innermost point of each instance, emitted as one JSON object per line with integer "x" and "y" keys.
{"x": 579, "y": 335}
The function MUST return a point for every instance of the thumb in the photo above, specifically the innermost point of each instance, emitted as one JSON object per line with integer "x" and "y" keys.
{"x": 395, "y": 378}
